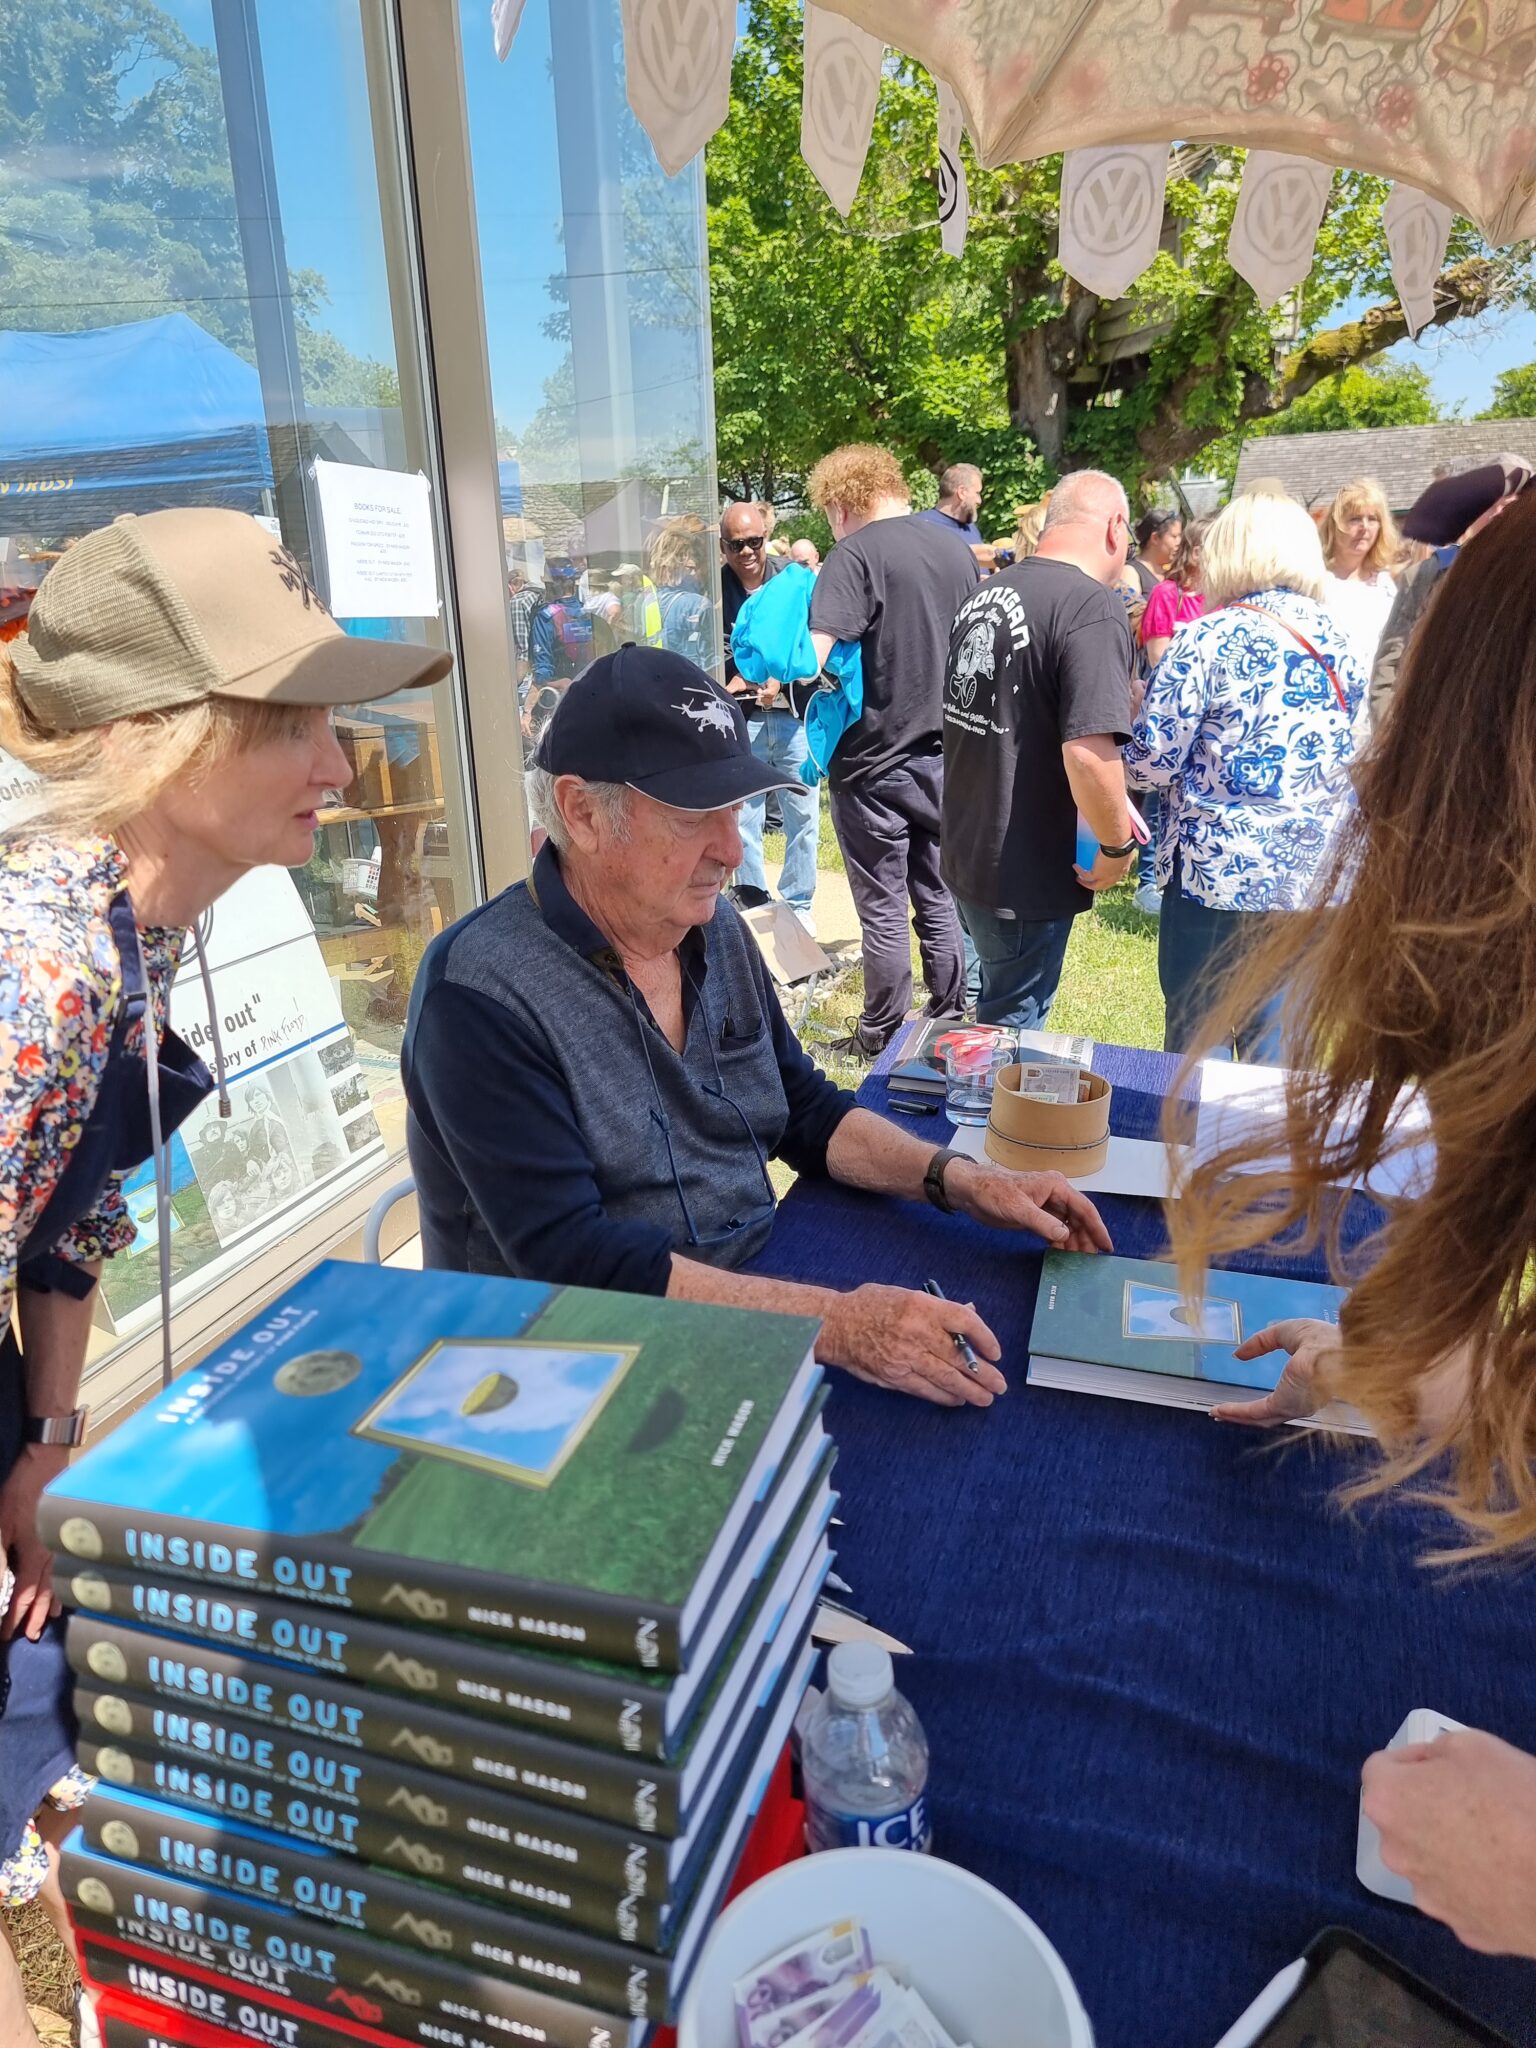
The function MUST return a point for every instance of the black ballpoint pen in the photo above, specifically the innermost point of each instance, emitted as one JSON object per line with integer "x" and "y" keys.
{"x": 961, "y": 1343}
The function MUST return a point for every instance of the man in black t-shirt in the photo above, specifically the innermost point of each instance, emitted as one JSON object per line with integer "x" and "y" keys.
{"x": 893, "y": 583}
{"x": 1037, "y": 705}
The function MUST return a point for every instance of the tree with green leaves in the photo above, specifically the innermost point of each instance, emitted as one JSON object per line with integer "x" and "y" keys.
{"x": 116, "y": 196}
{"x": 1381, "y": 393}
{"x": 826, "y": 331}
{"x": 1514, "y": 395}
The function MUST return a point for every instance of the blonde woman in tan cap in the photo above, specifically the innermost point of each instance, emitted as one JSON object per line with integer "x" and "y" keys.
{"x": 174, "y": 691}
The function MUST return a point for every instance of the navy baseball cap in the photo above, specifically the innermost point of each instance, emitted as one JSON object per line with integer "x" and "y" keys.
{"x": 656, "y": 722}
{"x": 1442, "y": 513}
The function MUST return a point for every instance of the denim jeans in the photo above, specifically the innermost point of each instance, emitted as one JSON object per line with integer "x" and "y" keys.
{"x": 1197, "y": 948}
{"x": 1020, "y": 965}
{"x": 1150, "y": 804}
{"x": 778, "y": 740}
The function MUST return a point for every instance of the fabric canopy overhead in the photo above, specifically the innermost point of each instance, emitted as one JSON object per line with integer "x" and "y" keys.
{"x": 1437, "y": 95}
{"x": 129, "y": 418}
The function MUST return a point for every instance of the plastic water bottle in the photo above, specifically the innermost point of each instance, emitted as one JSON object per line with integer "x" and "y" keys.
{"x": 864, "y": 1758}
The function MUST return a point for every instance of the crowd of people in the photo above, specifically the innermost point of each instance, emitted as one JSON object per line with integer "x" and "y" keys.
{"x": 598, "y": 1072}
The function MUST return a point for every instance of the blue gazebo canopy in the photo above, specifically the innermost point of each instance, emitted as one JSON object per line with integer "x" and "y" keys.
{"x": 130, "y": 418}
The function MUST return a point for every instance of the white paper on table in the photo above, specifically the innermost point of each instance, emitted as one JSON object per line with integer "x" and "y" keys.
{"x": 1234, "y": 1098}
{"x": 1056, "y": 1045}
{"x": 381, "y": 559}
{"x": 1134, "y": 1166}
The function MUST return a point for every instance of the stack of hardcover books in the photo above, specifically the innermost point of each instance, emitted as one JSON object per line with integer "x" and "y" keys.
{"x": 434, "y": 1643}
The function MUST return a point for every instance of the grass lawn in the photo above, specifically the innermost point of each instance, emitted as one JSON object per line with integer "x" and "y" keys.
{"x": 1109, "y": 990}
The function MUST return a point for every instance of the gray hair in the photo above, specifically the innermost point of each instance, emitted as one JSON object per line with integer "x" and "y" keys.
{"x": 1085, "y": 495}
{"x": 611, "y": 799}
{"x": 957, "y": 477}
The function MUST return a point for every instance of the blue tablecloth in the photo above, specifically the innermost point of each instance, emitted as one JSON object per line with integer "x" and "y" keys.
{"x": 1152, "y": 1652}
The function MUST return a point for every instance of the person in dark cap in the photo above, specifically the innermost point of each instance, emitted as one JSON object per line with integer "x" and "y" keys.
{"x": 598, "y": 1071}
{"x": 1444, "y": 517}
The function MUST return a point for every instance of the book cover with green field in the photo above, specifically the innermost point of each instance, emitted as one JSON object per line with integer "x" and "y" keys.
{"x": 552, "y": 1466}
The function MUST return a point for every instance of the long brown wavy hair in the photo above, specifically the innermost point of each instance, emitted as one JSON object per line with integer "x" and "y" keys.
{"x": 1418, "y": 972}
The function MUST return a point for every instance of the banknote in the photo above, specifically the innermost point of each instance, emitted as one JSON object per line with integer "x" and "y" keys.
{"x": 798, "y": 1972}
{"x": 893, "y": 2017}
{"x": 779, "y": 2029}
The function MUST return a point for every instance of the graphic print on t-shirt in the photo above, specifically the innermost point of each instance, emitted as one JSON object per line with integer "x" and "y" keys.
{"x": 971, "y": 685}
{"x": 1038, "y": 656}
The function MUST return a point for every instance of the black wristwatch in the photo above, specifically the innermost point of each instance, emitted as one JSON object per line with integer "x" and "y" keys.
{"x": 933, "y": 1179}
{"x": 1118, "y": 852}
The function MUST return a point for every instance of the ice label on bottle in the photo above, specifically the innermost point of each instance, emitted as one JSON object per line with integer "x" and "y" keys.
{"x": 909, "y": 1829}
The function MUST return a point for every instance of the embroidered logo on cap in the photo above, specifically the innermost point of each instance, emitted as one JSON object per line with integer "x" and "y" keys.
{"x": 291, "y": 573}
{"x": 710, "y": 716}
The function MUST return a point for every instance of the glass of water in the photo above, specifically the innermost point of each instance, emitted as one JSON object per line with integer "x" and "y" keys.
{"x": 972, "y": 1064}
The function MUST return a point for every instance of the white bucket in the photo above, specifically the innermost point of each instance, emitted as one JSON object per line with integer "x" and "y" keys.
{"x": 984, "y": 1967}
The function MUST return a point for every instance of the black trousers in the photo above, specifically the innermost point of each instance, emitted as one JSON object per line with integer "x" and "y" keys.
{"x": 888, "y": 828}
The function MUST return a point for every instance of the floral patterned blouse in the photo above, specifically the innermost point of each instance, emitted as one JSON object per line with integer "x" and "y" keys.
{"x": 1243, "y": 730}
{"x": 59, "y": 990}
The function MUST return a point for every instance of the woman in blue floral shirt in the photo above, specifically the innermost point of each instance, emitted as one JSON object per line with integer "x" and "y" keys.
{"x": 174, "y": 692}
{"x": 1249, "y": 725}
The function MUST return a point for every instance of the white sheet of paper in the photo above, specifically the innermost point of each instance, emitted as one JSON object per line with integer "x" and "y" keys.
{"x": 1234, "y": 1096}
{"x": 1058, "y": 1045}
{"x": 1135, "y": 1166}
{"x": 379, "y": 551}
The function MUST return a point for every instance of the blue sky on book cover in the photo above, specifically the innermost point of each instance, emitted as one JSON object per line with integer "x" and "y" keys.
{"x": 1133, "y": 1313}
{"x": 558, "y": 1434}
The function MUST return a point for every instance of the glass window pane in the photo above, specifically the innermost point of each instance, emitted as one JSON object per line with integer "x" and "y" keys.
{"x": 207, "y": 288}
{"x": 597, "y": 318}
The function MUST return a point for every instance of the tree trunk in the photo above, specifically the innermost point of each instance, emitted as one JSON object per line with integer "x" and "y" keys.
{"x": 1037, "y": 394}
{"x": 1042, "y": 357}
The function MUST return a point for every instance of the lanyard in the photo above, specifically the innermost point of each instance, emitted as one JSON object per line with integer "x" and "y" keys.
{"x": 1321, "y": 659}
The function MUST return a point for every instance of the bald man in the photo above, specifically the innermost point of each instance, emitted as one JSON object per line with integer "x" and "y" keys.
{"x": 1037, "y": 705}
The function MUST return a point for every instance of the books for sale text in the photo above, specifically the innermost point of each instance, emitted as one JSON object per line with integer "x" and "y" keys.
{"x": 435, "y": 1642}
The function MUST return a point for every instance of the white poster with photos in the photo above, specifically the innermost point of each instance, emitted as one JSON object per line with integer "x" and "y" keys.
{"x": 302, "y": 1126}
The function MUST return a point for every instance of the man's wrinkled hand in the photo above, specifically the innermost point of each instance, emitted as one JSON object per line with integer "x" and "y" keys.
{"x": 906, "y": 1341}
{"x": 1046, "y": 1203}
{"x": 1458, "y": 1819}
{"x": 1313, "y": 1347}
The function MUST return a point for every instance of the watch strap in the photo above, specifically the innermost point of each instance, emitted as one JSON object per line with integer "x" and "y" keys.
{"x": 67, "y": 1431}
{"x": 1118, "y": 852}
{"x": 933, "y": 1179}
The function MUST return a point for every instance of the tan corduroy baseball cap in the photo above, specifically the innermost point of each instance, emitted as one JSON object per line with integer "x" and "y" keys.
{"x": 166, "y": 608}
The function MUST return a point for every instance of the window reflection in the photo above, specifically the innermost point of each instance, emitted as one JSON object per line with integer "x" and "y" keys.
{"x": 597, "y": 320}
{"x": 204, "y": 291}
